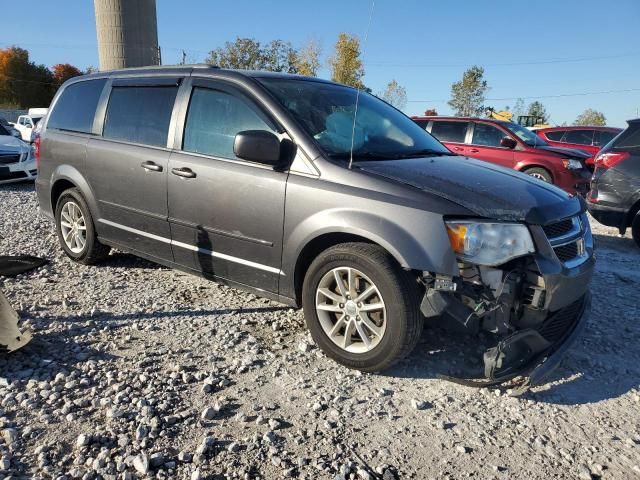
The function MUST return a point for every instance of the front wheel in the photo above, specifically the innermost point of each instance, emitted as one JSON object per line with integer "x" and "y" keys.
{"x": 362, "y": 309}
{"x": 539, "y": 173}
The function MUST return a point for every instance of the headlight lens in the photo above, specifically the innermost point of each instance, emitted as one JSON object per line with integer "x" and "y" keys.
{"x": 486, "y": 243}
{"x": 572, "y": 164}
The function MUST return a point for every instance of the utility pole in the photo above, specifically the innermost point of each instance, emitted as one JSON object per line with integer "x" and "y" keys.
{"x": 184, "y": 57}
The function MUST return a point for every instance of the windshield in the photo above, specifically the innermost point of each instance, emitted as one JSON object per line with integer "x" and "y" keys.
{"x": 326, "y": 112}
{"x": 526, "y": 135}
{"x": 4, "y": 131}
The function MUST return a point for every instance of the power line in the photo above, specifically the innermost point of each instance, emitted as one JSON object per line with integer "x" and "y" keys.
{"x": 533, "y": 97}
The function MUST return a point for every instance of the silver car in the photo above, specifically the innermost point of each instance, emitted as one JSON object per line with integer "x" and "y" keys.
{"x": 17, "y": 159}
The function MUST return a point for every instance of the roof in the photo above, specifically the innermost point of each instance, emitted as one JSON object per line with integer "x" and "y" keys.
{"x": 580, "y": 127}
{"x": 475, "y": 119}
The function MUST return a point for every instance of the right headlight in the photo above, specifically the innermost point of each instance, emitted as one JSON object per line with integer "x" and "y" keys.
{"x": 489, "y": 243}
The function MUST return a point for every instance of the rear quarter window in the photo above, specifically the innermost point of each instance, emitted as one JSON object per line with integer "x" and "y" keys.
{"x": 449, "y": 131}
{"x": 579, "y": 137}
{"x": 554, "y": 136}
{"x": 629, "y": 139}
{"x": 75, "y": 109}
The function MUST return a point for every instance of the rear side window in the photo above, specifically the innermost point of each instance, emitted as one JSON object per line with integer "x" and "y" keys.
{"x": 555, "y": 136}
{"x": 605, "y": 137}
{"x": 487, "y": 135}
{"x": 76, "y": 107}
{"x": 422, "y": 123}
{"x": 580, "y": 137}
{"x": 140, "y": 114}
{"x": 629, "y": 139}
{"x": 449, "y": 131}
{"x": 214, "y": 119}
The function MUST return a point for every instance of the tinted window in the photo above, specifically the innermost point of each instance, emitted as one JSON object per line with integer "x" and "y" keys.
{"x": 140, "y": 114}
{"x": 581, "y": 137}
{"x": 4, "y": 131}
{"x": 605, "y": 137}
{"x": 76, "y": 106}
{"x": 449, "y": 131}
{"x": 422, "y": 123}
{"x": 629, "y": 139}
{"x": 214, "y": 119}
{"x": 485, "y": 134}
{"x": 555, "y": 136}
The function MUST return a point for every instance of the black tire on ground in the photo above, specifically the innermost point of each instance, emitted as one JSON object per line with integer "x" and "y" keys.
{"x": 539, "y": 173}
{"x": 635, "y": 228}
{"x": 93, "y": 251}
{"x": 400, "y": 293}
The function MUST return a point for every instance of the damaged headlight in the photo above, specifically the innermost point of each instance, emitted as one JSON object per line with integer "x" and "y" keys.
{"x": 572, "y": 164}
{"x": 486, "y": 243}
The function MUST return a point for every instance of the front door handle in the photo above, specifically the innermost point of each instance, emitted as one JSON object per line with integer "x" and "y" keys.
{"x": 151, "y": 166}
{"x": 183, "y": 172}
{"x": 458, "y": 149}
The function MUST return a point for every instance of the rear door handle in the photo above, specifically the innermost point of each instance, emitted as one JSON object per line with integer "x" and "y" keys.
{"x": 184, "y": 172}
{"x": 151, "y": 166}
{"x": 474, "y": 150}
{"x": 458, "y": 149}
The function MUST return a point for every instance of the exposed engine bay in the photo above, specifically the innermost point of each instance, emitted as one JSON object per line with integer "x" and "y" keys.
{"x": 510, "y": 303}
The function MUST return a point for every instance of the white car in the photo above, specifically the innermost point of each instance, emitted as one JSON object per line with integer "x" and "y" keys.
{"x": 17, "y": 159}
{"x": 25, "y": 125}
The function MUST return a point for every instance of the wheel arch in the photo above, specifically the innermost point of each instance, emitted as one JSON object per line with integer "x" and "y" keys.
{"x": 527, "y": 166}
{"x": 66, "y": 177}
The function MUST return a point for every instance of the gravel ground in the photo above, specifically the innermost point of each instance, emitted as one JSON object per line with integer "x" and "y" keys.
{"x": 138, "y": 371}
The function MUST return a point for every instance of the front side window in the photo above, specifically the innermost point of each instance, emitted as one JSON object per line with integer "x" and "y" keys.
{"x": 76, "y": 107}
{"x": 214, "y": 119}
{"x": 140, "y": 114}
{"x": 579, "y": 137}
{"x": 326, "y": 111}
{"x": 487, "y": 135}
{"x": 524, "y": 134}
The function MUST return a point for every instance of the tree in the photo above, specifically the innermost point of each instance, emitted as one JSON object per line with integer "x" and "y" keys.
{"x": 345, "y": 63}
{"x": 518, "y": 109}
{"x": 308, "y": 59}
{"x": 249, "y": 54}
{"x": 279, "y": 56}
{"x": 467, "y": 95}
{"x": 63, "y": 72}
{"x": 395, "y": 94}
{"x": 431, "y": 112}
{"x": 23, "y": 84}
{"x": 591, "y": 117}
{"x": 537, "y": 110}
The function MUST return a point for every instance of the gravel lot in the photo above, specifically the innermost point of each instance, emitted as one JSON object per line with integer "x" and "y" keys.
{"x": 138, "y": 371}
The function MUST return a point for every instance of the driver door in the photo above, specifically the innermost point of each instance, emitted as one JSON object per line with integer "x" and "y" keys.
{"x": 226, "y": 214}
{"x": 485, "y": 145}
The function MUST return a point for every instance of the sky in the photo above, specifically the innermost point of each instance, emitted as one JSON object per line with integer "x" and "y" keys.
{"x": 564, "y": 53}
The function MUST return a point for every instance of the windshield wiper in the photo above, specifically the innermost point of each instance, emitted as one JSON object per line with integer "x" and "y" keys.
{"x": 389, "y": 156}
{"x": 425, "y": 152}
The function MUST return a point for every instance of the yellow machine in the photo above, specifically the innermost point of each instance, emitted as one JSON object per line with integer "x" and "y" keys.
{"x": 529, "y": 121}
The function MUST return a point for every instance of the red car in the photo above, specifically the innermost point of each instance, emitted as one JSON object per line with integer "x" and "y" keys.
{"x": 511, "y": 145}
{"x": 587, "y": 139}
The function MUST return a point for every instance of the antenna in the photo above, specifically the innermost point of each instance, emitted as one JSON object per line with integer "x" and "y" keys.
{"x": 355, "y": 113}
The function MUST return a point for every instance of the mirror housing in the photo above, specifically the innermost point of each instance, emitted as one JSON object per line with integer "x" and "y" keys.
{"x": 258, "y": 146}
{"x": 508, "y": 142}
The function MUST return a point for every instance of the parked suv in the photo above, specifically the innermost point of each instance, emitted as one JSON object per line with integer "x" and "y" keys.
{"x": 614, "y": 199}
{"x": 263, "y": 181}
{"x": 587, "y": 139}
{"x": 512, "y": 146}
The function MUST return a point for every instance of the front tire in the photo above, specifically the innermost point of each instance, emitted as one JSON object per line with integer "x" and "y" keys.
{"x": 361, "y": 308}
{"x": 76, "y": 231}
{"x": 540, "y": 174}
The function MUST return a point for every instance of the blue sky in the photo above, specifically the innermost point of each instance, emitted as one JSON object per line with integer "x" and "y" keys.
{"x": 424, "y": 45}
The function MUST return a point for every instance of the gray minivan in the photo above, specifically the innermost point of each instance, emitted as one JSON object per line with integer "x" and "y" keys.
{"x": 316, "y": 195}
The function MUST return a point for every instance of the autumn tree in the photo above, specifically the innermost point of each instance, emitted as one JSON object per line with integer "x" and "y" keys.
{"x": 431, "y": 112}
{"x": 395, "y": 94}
{"x": 468, "y": 95}
{"x": 345, "y": 63}
{"x": 63, "y": 72}
{"x": 308, "y": 59}
{"x": 23, "y": 83}
{"x": 537, "y": 109}
{"x": 591, "y": 117}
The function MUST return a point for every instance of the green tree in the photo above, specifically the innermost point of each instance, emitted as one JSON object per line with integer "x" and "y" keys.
{"x": 308, "y": 59}
{"x": 591, "y": 117}
{"x": 467, "y": 95}
{"x": 345, "y": 63}
{"x": 244, "y": 53}
{"x": 395, "y": 94}
{"x": 279, "y": 56}
{"x": 538, "y": 110}
{"x": 518, "y": 109}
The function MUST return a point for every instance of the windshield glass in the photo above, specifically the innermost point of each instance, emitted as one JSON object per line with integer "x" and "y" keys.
{"x": 326, "y": 112}
{"x": 4, "y": 131}
{"x": 526, "y": 135}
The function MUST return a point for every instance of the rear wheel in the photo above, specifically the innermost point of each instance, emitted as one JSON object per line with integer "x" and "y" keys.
{"x": 540, "y": 174}
{"x": 76, "y": 232}
{"x": 635, "y": 228}
{"x": 361, "y": 308}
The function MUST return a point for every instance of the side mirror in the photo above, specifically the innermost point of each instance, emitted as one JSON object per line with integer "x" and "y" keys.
{"x": 508, "y": 142}
{"x": 257, "y": 146}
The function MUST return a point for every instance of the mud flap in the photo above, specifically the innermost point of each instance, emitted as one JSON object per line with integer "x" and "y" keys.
{"x": 11, "y": 338}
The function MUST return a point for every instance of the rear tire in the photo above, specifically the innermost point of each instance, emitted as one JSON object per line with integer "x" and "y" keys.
{"x": 374, "y": 319}
{"x": 635, "y": 229}
{"x": 76, "y": 231}
{"x": 539, "y": 173}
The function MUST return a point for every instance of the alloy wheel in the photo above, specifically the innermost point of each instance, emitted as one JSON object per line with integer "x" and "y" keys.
{"x": 73, "y": 227}
{"x": 351, "y": 310}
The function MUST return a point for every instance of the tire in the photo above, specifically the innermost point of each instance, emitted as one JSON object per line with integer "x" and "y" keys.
{"x": 398, "y": 324}
{"x": 72, "y": 209}
{"x": 539, "y": 173}
{"x": 635, "y": 229}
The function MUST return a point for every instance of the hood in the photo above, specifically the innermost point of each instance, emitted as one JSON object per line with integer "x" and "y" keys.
{"x": 487, "y": 190}
{"x": 566, "y": 152}
{"x": 11, "y": 144}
